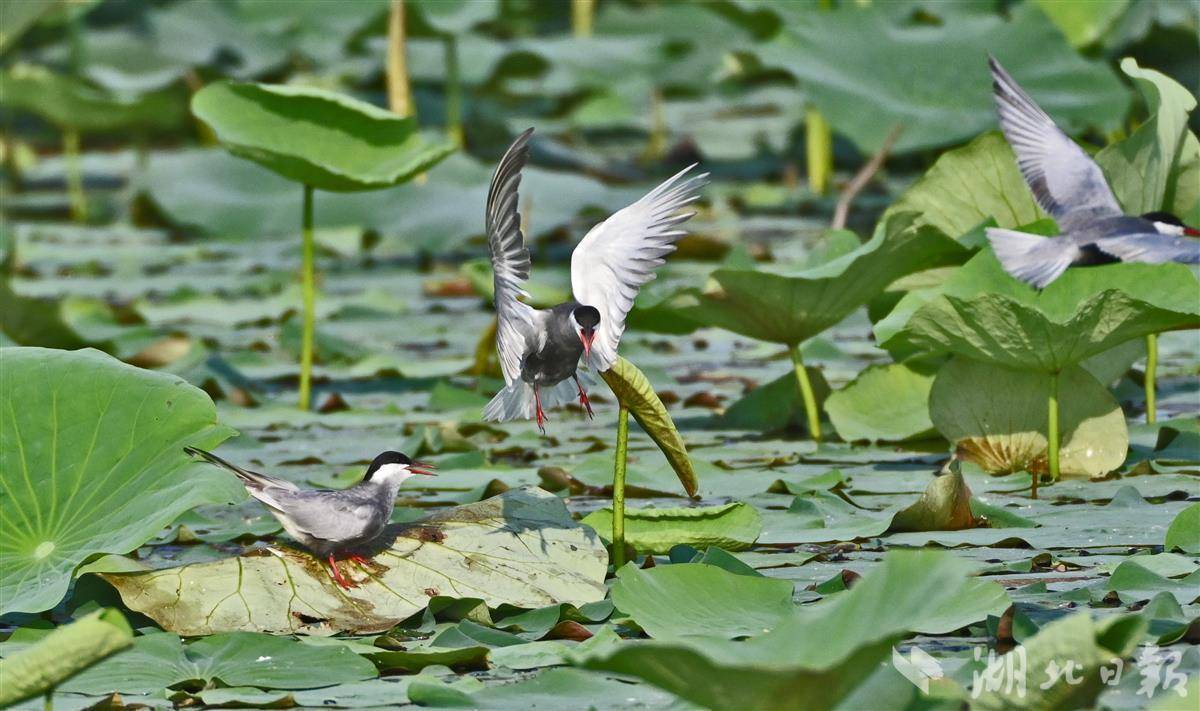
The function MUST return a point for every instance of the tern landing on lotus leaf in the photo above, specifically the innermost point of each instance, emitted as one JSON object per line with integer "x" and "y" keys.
{"x": 540, "y": 348}
{"x": 1072, "y": 189}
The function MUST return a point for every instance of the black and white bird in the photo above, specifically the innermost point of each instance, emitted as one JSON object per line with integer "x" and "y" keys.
{"x": 1071, "y": 188}
{"x": 332, "y": 523}
{"x": 540, "y": 348}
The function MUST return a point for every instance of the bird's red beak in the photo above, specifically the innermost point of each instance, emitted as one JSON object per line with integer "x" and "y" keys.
{"x": 1191, "y": 232}
{"x": 422, "y": 468}
{"x": 586, "y": 337}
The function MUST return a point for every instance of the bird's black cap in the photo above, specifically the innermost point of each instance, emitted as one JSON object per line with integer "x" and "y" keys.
{"x": 387, "y": 458}
{"x": 1164, "y": 217}
{"x": 587, "y": 316}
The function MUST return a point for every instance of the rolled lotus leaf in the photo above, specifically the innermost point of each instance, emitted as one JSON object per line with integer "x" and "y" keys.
{"x": 62, "y": 653}
{"x": 634, "y": 391}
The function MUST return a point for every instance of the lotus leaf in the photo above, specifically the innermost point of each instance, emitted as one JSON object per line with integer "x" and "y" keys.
{"x": 71, "y": 103}
{"x": 788, "y": 306}
{"x": 520, "y": 548}
{"x": 62, "y": 653}
{"x": 884, "y": 403}
{"x": 733, "y": 527}
{"x": 996, "y": 418}
{"x": 670, "y": 601}
{"x": 158, "y": 660}
{"x": 324, "y": 140}
{"x": 636, "y": 393}
{"x": 822, "y": 652}
{"x": 1083, "y": 22}
{"x": 944, "y": 506}
{"x": 92, "y": 463}
{"x": 1184, "y": 533}
{"x": 1156, "y": 167}
{"x": 982, "y": 313}
{"x": 951, "y": 101}
{"x": 969, "y": 186}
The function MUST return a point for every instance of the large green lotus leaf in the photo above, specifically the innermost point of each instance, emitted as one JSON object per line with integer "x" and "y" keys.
{"x": 71, "y": 103}
{"x": 635, "y": 392}
{"x": 1184, "y": 533}
{"x": 452, "y": 17}
{"x": 822, "y": 652}
{"x": 982, "y": 313}
{"x": 1074, "y": 642}
{"x": 320, "y": 138}
{"x": 158, "y": 660}
{"x": 787, "y": 305}
{"x": 92, "y": 463}
{"x": 996, "y": 417}
{"x": 520, "y": 548}
{"x": 932, "y": 80}
{"x": 887, "y": 403}
{"x": 776, "y": 405}
{"x": 684, "y": 599}
{"x": 733, "y": 526}
{"x": 968, "y": 186}
{"x": 1147, "y": 170}
{"x": 1082, "y": 21}
{"x": 62, "y": 653}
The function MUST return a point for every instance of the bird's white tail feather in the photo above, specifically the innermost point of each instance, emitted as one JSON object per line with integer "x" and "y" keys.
{"x": 516, "y": 401}
{"x": 1033, "y": 259}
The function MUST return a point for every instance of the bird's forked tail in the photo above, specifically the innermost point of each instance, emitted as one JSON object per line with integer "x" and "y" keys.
{"x": 1033, "y": 259}
{"x": 253, "y": 480}
{"x": 516, "y": 400}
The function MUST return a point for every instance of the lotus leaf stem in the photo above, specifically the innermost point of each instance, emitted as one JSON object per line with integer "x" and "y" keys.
{"x": 308, "y": 287}
{"x": 398, "y": 87}
{"x": 581, "y": 17}
{"x": 1051, "y": 432}
{"x": 618, "y": 500}
{"x": 75, "y": 195}
{"x": 454, "y": 125}
{"x": 1151, "y": 376}
{"x": 806, "y": 392}
{"x": 819, "y": 147}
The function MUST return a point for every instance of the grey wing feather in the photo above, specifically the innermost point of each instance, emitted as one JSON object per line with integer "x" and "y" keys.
{"x": 1063, "y": 178}
{"x": 326, "y": 515}
{"x": 1152, "y": 248}
{"x": 510, "y": 258}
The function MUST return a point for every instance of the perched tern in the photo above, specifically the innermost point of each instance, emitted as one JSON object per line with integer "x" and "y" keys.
{"x": 331, "y": 523}
{"x": 540, "y": 349}
{"x": 1072, "y": 189}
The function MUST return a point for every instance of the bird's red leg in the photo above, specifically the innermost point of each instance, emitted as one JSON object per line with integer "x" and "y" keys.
{"x": 337, "y": 574}
{"x": 541, "y": 415}
{"x": 583, "y": 398}
{"x": 361, "y": 561}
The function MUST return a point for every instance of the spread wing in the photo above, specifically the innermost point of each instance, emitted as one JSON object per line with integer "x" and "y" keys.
{"x": 1152, "y": 247}
{"x": 1063, "y": 178}
{"x": 510, "y": 258}
{"x": 620, "y": 254}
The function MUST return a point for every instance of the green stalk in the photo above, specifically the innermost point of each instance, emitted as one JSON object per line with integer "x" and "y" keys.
{"x": 400, "y": 100}
{"x": 1051, "y": 433}
{"x": 309, "y": 290}
{"x": 819, "y": 147}
{"x": 806, "y": 392}
{"x": 75, "y": 195}
{"x": 453, "y": 92}
{"x": 618, "y": 533}
{"x": 581, "y": 17}
{"x": 1151, "y": 377}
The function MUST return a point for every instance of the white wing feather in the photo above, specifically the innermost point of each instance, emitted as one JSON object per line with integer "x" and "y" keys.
{"x": 510, "y": 259}
{"x": 620, "y": 254}
{"x": 1063, "y": 178}
{"x": 1152, "y": 248}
